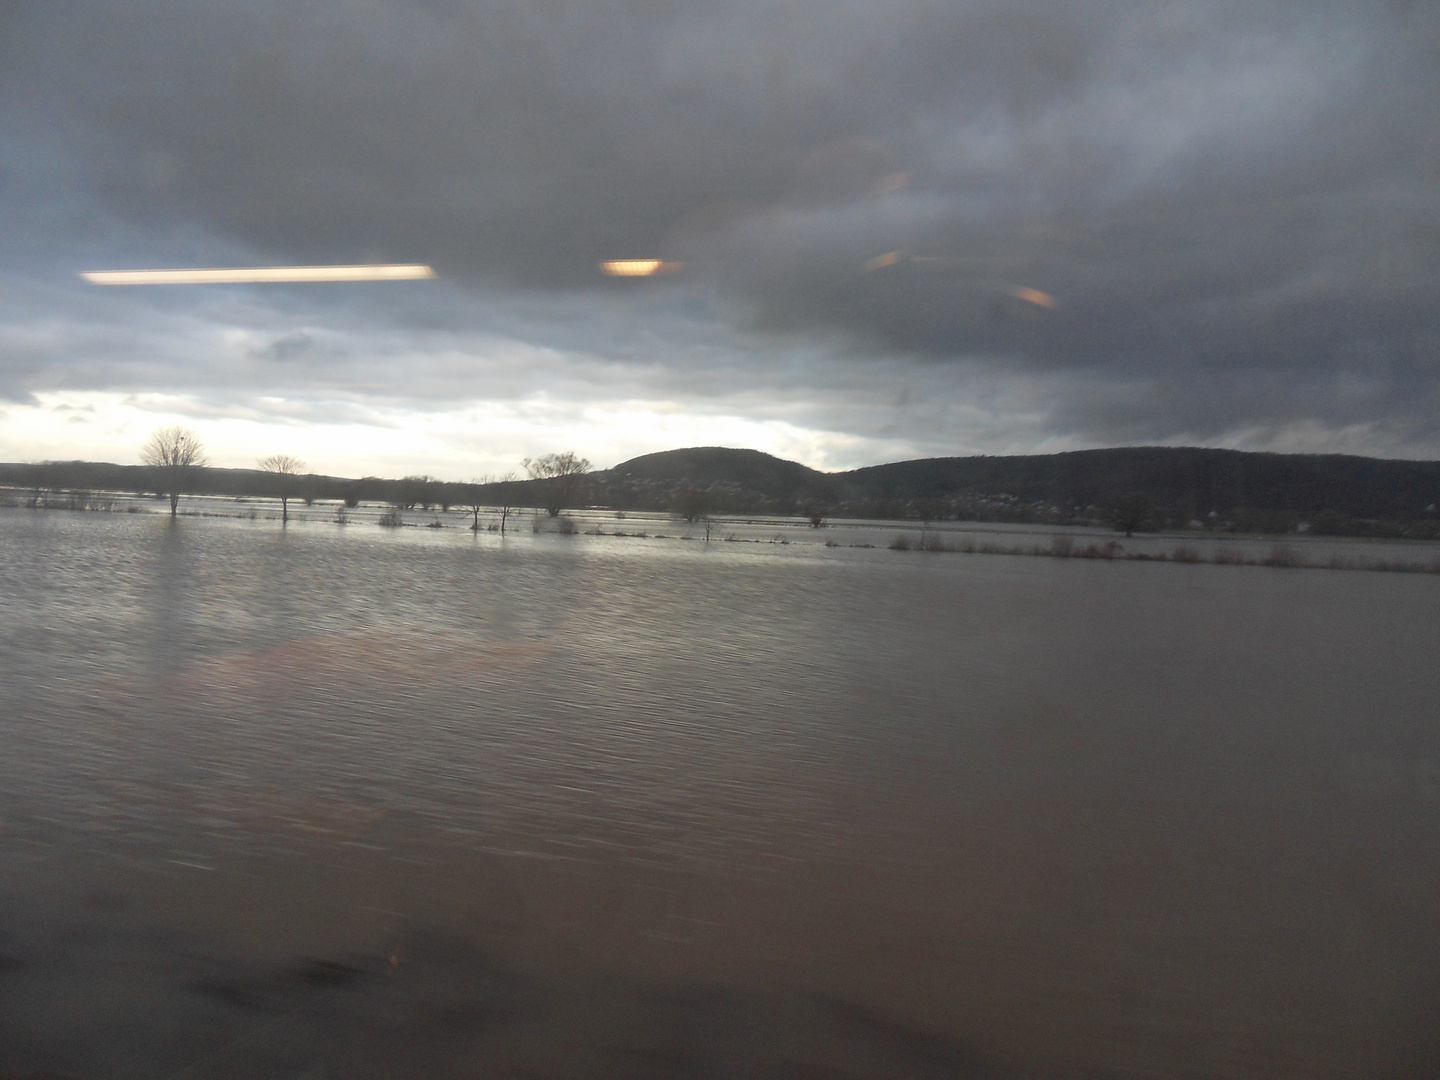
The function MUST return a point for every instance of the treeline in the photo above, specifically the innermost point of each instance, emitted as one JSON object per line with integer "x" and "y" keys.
{"x": 57, "y": 483}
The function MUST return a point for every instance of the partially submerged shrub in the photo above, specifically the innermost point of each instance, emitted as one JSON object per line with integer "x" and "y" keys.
{"x": 1283, "y": 555}
{"x": 391, "y": 519}
{"x": 1109, "y": 550}
{"x": 900, "y": 543}
{"x": 1187, "y": 554}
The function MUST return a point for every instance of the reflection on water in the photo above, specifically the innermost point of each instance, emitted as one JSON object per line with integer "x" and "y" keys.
{"x": 331, "y": 801}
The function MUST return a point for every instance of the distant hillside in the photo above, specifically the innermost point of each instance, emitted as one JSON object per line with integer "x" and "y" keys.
{"x": 1176, "y": 486}
{"x": 1188, "y": 481}
{"x": 743, "y": 476}
{"x": 1148, "y": 487}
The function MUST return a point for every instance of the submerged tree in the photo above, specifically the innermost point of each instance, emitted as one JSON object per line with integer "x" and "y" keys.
{"x": 562, "y": 475}
{"x": 1131, "y": 513}
{"x": 473, "y": 499}
{"x": 175, "y": 453}
{"x": 692, "y": 504}
{"x": 505, "y": 489}
{"x": 285, "y": 469}
{"x": 413, "y": 491}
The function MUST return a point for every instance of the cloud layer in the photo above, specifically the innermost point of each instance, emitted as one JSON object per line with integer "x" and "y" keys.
{"x": 953, "y": 226}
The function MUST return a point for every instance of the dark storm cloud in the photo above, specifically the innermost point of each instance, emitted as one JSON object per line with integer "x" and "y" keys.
{"x": 1227, "y": 213}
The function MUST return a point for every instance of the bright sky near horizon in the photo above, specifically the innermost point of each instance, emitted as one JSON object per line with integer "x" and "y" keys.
{"x": 840, "y": 234}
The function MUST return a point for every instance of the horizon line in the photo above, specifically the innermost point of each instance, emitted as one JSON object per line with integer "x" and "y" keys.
{"x": 811, "y": 468}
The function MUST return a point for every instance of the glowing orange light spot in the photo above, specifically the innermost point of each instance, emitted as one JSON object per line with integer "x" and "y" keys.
{"x": 638, "y": 267}
{"x": 890, "y": 258}
{"x": 1035, "y": 296}
{"x": 249, "y": 274}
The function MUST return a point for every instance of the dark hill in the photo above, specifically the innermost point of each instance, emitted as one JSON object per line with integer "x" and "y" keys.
{"x": 721, "y": 467}
{"x": 1188, "y": 480}
{"x": 1219, "y": 488}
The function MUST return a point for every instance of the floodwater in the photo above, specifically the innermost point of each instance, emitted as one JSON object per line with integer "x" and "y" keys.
{"x": 346, "y": 801}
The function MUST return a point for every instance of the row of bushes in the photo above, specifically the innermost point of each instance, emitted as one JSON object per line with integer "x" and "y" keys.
{"x": 1064, "y": 547}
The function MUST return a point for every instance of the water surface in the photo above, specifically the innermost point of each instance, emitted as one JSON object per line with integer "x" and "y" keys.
{"x": 353, "y": 801}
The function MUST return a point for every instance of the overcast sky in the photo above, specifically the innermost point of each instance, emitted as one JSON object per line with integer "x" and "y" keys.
{"x": 907, "y": 227}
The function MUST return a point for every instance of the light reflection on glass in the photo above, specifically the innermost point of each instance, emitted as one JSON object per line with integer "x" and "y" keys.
{"x": 1034, "y": 296}
{"x": 638, "y": 267}
{"x": 251, "y": 274}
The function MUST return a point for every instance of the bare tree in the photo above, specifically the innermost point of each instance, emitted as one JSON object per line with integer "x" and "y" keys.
{"x": 562, "y": 475}
{"x": 1131, "y": 513}
{"x": 487, "y": 492}
{"x": 415, "y": 491}
{"x": 692, "y": 504}
{"x": 285, "y": 469}
{"x": 505, "y": 489}
{"x": 473, "y": 497}
{"x": 175, "y": 453}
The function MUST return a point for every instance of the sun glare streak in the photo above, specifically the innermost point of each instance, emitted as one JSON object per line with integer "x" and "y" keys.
{"x": 251, "y": 274}
{"x": 638, "y": 267}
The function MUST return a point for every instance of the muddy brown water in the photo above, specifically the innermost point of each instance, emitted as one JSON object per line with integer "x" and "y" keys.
{"x": 347, "y": 802}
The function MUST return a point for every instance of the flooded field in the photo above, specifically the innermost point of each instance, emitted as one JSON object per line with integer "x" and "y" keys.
{"x": 343, "y": 800}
